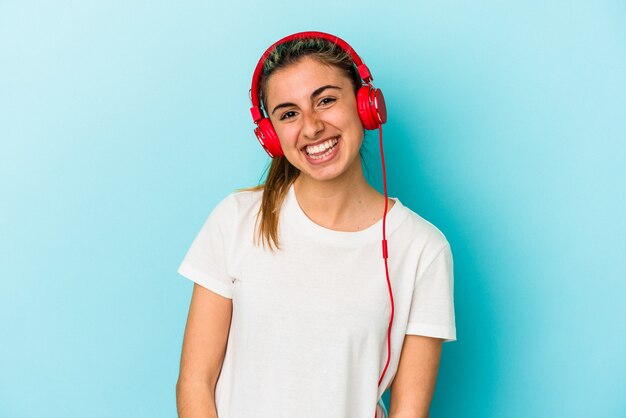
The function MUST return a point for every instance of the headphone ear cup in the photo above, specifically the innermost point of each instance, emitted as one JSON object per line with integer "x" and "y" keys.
{"x": 268, "y": 139}
{"x": 371, "y": 107}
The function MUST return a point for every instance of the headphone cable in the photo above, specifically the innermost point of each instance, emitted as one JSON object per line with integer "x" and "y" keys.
{"x": 385, "y": 254}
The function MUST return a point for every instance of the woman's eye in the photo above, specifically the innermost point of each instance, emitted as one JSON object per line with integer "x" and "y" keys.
{"x": 287, "y": 115}
{"x": 327, "y": 100}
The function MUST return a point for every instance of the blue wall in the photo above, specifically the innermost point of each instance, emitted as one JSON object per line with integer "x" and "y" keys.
{"x": 123, "y": 122}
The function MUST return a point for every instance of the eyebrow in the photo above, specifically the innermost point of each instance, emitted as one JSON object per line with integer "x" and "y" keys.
{"x": 316, "y": 93}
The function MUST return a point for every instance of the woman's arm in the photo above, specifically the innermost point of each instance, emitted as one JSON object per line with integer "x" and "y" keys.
{"x": 204, "y": 346}
{"x": 414, "y": 384}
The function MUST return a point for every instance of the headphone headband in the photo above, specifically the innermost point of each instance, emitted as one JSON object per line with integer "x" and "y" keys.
{"x": 364, "y": 72}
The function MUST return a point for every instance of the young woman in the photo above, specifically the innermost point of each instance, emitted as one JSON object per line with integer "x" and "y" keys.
{"x": 295, "y": 312}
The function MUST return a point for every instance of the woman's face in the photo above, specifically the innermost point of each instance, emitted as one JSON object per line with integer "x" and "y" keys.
{"x": 314, "y": 113}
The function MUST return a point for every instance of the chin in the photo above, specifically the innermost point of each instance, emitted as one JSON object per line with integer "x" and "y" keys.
{"x": 328, "y": 173}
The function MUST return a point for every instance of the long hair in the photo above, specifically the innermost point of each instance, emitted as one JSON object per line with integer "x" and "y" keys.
{"x": 282, "y": 173}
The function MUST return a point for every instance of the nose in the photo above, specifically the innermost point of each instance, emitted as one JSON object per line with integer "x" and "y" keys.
{"x": 312, "y": 125}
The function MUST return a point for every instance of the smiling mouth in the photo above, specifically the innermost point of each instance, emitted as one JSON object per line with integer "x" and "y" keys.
{"x": 321, "y": 150}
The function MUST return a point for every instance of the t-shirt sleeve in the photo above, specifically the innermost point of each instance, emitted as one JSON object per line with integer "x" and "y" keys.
{"x": 432, "y": 306}
{"x": 206, "y": 260}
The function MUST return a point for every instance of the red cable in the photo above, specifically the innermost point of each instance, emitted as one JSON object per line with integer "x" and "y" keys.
{"x": 385, "y": 256}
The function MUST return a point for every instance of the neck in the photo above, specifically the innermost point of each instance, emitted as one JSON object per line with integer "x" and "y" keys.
{"x": 339, "y": 203}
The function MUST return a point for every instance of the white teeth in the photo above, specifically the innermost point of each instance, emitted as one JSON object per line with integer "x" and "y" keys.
{"x": 324, "y": 147}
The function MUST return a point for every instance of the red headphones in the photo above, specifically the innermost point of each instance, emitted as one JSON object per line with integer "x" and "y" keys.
{"x": 370, "y": 100}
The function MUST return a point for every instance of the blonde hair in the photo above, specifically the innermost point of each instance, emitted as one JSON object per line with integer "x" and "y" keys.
{"x": 281, "y": 173}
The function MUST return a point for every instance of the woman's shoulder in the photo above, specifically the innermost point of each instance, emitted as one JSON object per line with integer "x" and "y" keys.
{"x": 238, "y": 209}
{"x": 420, "y": 228}
{"x": 240, "y": 201}
{"x": 247, "y": 196}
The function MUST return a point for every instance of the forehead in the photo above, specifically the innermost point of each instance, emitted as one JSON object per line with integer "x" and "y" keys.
{"x": 303, "y": 77}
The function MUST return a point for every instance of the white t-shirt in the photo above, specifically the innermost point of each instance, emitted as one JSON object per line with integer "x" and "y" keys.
{"x": 308, "y": 336}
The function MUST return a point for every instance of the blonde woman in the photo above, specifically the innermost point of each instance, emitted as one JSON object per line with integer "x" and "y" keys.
{"x": 297, "y": 311}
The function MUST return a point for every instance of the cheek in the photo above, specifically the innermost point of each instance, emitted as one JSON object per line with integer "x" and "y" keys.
{"x": 348, "y": 117}
{"x": 287, "y": 134}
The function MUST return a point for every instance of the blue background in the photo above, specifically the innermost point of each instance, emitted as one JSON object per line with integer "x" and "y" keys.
{"x": 122, "y": 123}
